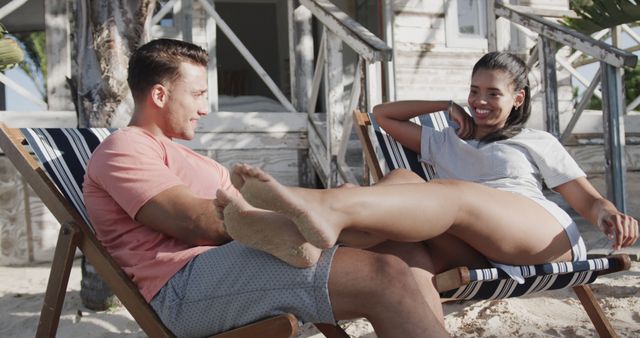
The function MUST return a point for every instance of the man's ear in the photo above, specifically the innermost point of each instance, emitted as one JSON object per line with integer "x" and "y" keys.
{"x": 159, "y": 95}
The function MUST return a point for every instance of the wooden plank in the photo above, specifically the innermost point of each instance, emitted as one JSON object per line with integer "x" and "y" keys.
{"x": 263, "y": 122}
{"x": 283, "y": 164}
{"x": 598, "y": 49}
{"x": 58, "y": 56}
{"x": 210, "y": 36}
{"x": 546, "y": 55}
{"x": 333, "y": 92}
{"x": 39, "y": 119}
{"x": 300, "y": 54}
{"x": 350, "y": 31}
{"x": 212, "y": 141}
{"x": 282, "y": 326}
{"x": 591, "y": 157}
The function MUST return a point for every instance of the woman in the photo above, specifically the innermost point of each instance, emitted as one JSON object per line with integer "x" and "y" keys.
{"x": 487, "y": 205}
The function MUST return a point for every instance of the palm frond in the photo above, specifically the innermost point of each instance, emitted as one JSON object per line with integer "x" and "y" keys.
{"x": 596, "y": 15}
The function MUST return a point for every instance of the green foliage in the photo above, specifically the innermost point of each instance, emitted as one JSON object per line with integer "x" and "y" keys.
{"x": 631, "y": 80}
{"x": 596, "y": 15}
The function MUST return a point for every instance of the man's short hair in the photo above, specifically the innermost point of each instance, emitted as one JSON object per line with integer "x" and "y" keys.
{"x": 158, "y": 61}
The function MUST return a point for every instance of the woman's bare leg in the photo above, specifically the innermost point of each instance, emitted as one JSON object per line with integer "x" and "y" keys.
{"x": 502, "y": 226}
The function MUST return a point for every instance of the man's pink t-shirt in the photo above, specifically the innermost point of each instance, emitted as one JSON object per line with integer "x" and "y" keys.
{"x": 126, "y": 170}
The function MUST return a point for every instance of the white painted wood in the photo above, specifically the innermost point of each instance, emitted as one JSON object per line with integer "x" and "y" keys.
{"x": 300, "y": 54}
{"x": 10, "y": 7}
{"x": 257, "y": 122}
{"x": 212, "y": 67}
{"x": 352, "y": 33}
{"x": 58, "y": 56}
{"x": 39, "y": 119}
{"x": 374, "y": 84}
{"x": 456, "y": 39}
{"x": 166, "y": 8}
{"x": 256, "y": 141}
{"x": 318, "y": 74}
{"x": 389, "y": 66}
{"x": 247, "y": 55}
{"x": 282, "y": 164}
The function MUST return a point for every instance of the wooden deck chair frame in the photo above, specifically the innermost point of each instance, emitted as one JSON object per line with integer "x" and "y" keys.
{"x": 462, "y": 276}
{"x": 75, "y": 233}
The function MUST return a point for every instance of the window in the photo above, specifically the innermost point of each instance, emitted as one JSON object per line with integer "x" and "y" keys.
{"x": 466, "y": 23}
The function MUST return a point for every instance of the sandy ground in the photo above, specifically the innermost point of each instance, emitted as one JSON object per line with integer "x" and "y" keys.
{"x": 553, "y": 314}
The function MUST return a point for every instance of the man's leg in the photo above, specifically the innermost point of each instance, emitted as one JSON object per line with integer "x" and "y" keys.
{"x": 383, "y": 289}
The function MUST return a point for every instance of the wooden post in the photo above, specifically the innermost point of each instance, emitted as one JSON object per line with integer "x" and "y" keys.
{"x": 185, "y": 19}
{"x": 212, "y": 66}
{"x": 300, "y": 54}
{"x": 614, "y": 141}
{"x": 334, "y": 91}
{"x": 546, "y": 55}
{"x": 492, "y": 33}
{"x": 58, "y": 56}
{"x": 389, "y": 66}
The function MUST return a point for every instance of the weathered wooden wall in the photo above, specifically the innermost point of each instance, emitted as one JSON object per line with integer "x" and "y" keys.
{"x": 427, "y": 67}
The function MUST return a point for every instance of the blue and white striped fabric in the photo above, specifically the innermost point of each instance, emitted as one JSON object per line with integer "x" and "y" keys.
{"x": 64, "y": 154}
{"x": 491, "y": 283}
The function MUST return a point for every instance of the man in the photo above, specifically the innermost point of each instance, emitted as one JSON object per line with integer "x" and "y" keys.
{"x": 151, "y": 202}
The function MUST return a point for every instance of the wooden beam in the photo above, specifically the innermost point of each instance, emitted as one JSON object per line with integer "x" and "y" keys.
{"x": 58, "y": 56}
{"x": 300, "y": 54}
{"x": 10, "y": 7}
{"x": 212, "y": 66}
{"x": 351, "y": 32}
{"x": 247, "y": 55}
{"x": 554, "y": 31}
{"x": 334, "y": 92}
{"x": 547, "y": 59}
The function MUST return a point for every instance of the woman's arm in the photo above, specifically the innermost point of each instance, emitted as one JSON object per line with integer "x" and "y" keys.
{"x": 588, "y": 202}
{"x": 394, "y": 118}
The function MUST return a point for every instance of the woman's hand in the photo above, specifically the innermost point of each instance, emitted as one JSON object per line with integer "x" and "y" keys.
{"x": 621, "y": 228}
{"x": 467, "y": 126}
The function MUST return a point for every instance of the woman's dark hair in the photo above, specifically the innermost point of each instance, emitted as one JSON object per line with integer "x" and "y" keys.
{"x": 159, "y": 61}
{"x": 518, "y": 71}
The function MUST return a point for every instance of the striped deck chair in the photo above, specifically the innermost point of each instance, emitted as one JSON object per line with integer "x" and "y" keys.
{"x": 57, "y": 178}
{"x": 384, "y": 153}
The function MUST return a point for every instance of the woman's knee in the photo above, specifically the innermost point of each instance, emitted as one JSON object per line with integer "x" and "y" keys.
{"x": 401, "y": 176}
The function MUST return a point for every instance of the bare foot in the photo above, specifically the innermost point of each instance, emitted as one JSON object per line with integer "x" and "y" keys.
{"x": 266, "y": 231}
{"x": 236, "y": 179}
{"x": 262, "y": 191}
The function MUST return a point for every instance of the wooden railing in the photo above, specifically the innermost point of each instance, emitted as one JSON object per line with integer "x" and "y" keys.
{"x": 328, "y": 148}
{"x": 328, "y": 131}
{"x": 612, "y": 61}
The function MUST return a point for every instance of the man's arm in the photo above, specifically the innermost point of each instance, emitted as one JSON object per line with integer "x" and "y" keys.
{"x": 178, "y": 213}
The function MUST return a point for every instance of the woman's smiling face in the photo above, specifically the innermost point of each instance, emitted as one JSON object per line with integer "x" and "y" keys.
{"x": 491, "y": 98}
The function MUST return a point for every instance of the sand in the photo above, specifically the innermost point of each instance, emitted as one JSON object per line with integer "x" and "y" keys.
{"x": 553, "y": 314}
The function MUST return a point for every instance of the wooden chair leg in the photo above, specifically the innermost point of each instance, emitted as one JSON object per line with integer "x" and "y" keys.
{"x": 282, "y": 326}
{"x": 331, "y": 331}
{"x": 590, "y": 304}
{"x": 58, "y": 279}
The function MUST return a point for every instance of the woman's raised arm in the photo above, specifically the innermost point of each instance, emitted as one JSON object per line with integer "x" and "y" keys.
{"x": 394, "y": 118}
